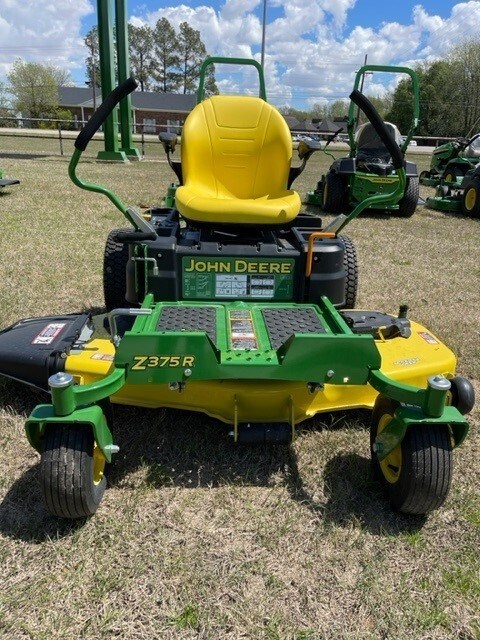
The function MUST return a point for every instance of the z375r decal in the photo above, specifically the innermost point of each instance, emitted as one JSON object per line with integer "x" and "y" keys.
{"x": 147, "y": 362}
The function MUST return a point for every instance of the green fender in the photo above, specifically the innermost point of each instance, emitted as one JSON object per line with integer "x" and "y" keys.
{"x": 43, "y": 417}
{"x": 408, "y": 417}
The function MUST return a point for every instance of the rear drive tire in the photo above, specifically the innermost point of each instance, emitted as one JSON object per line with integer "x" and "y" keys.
{"x": 350, "y": 264}
{"x": 417, "y": 474}
{"x": 334, "y": 193}
{"x": 71, "y": 471}
{"x": 452, "y": 173}
{"x": 425, "y": 175}
{"x": 115, "y": 272}
{"x": 409, "y": 202}
{"x": 471, "y": 199}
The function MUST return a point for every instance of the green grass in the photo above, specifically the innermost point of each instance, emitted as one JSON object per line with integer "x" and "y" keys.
{"x": 197, "y": 538}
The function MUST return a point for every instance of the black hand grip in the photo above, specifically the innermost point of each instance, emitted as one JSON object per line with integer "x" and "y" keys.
{"x": 372, "y": 114}
{"x": 103, "y": 111}
{"x": 134, "y": 236}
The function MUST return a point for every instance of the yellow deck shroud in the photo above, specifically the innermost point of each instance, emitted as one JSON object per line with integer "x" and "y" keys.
{"x": 409, "y": 360}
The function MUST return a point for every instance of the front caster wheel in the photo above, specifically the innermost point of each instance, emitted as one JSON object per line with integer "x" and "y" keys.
{"x": 71, "y": 470}
{"x": 417, "y": 474}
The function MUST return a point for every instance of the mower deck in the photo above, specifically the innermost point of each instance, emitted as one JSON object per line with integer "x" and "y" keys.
{"x": 235, "y": 361}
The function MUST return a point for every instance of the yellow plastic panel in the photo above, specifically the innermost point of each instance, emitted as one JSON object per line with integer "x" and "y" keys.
{"x": 409, "y": 360}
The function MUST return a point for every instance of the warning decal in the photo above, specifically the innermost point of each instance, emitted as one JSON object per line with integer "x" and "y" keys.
{"x": 48, "y": 334}
{"x": 242, "y": 330}
{"x": 427, "y": 337}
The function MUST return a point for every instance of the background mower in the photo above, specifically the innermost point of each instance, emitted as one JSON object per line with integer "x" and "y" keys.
{"x": 369, "y": 168}
{"x": 451, "y": 161}
{"x": 459, "y": 196}
{"x": 232, "y": 305}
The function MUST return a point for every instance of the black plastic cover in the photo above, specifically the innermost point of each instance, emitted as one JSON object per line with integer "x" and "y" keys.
{"x": 376, "y": 322}
{"x": 31, "y": 350}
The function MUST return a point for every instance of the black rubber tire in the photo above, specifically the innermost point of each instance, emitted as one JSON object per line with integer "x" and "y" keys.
{"x": 421, "y": 482}
{"x": 462, "y": 394}
{"x": 452, "y": 173}
{"x": 471, "y": 199}
{"x": 115, "y": 261}
{"x": 409, "y": 202}
{"x": 350, "y": 264}
{"x": 334, "y": 193}
{"x": 424, "y": 175}
{"x": 67, "y": 472}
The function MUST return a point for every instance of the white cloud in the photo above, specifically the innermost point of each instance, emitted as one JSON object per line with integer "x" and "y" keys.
{"x": 311, "y": 50}
{"x": 42, "y": 31}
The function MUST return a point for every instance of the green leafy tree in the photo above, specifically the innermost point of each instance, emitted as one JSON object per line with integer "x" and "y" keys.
{"x": 192, "y": 53}
{"x": 167, "y": 61}
{"x": 34, "y": 88}
{"x": 141, "y": 43}
{"x": 92, "y": 61}
{"x": 5, "y": 108}
{"x": 464, "y": 103}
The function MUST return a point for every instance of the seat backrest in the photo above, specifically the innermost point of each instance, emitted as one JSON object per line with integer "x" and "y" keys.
{"x": 236, "y": 146}
{"x": 370, "y": 145}
{"x": 473, "y": 149}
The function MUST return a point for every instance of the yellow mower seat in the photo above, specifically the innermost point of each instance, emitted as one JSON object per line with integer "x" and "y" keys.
{"x": 236, "y": 154}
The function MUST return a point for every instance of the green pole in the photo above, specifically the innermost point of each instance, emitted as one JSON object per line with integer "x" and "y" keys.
{"x": 123, "y": 66}
{"x": 107, "y": 75}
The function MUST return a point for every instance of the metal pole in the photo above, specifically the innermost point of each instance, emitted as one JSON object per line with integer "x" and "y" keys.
{"x": 263, "y": 32}
{"x": 361, "y": 91}
{"x": 107, "y": 74}
{"x": 123, "y": 65}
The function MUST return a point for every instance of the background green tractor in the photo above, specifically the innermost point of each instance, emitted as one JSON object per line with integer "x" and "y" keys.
{"x": 452, "y": 160}
{"x": 369, "y": 170}
{"x": 458, "y": 196}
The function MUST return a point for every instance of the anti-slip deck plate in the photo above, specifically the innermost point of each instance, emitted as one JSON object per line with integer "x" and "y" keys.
{"x": 189, "y": 319}
{"x": 283, "y": 322}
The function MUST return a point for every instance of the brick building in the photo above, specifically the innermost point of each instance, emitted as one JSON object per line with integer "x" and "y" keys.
{"x": 152, "y": 111}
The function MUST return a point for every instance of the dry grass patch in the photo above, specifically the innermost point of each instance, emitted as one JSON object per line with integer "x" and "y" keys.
{"x": 197, "y": 538}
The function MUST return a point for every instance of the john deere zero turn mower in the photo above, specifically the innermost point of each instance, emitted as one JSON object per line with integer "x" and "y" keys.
{"x": 459, "y": 196}
{"x": 369, "y": 168}
{"x": 230, "y": 307}
{"x": 452, "y": 160}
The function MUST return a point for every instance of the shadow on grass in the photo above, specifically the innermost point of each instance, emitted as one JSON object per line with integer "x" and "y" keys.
{"x": 23, "y": 516}
{"x": 18, "y": 155}
{"x": 354, "y": 497}
{"x": 184, "y": 449}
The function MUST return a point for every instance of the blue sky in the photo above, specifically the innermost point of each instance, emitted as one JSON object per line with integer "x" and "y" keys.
{"x": 313, "y": 47}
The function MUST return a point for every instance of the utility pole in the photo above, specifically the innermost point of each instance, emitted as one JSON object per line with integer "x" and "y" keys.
{"x": 94, "y": 75}
{"x": 262, "y": 61}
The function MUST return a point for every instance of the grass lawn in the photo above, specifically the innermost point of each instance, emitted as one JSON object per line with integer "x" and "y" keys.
{"x": 197, "y": 538}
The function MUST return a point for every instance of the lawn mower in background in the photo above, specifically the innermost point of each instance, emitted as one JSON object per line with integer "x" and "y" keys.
{"x": 451, "y": 161}
{"x": 232, "y": 304}
{"x": 7, "y": 182}
{"x": 459, "y": 196}
{"x": 369, "y": 168}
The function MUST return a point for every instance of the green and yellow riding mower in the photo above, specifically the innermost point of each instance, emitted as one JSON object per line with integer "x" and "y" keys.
{"x": 369, "y": 168}
{"x": 451, "y": 161}
{"x": 232, "y": 303}
{"x": 7, "y": 182}
{"x": 460, "y": 195}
